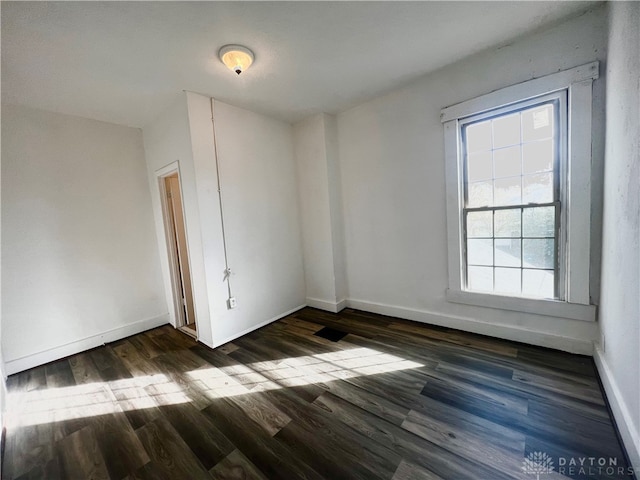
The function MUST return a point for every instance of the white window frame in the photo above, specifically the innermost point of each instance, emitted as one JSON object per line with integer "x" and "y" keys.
{"x": 575, "y": 241}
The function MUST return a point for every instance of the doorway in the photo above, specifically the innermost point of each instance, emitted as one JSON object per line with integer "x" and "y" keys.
{"x": 178, "y": 253}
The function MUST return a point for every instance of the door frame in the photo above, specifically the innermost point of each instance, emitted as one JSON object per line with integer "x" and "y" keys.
{"x": 171, "y": 248}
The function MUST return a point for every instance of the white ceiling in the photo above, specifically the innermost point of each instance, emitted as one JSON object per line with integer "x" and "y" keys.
{"x": 124, "y": 62}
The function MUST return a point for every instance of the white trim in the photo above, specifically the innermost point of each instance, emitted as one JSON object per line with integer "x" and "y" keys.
{"x": 168, "y": 169}
{"x": 327, "y": 305}
{"x": 205, "y": 342}
{"x": 574, "y": 240}
{"x": 578, "y": 192}
{"x": 454, "y": 175}
{"x": 624, "y": 420}
{"x": 548, "y": 307}
{"x": 235, "y": 336}
{"x": 177, "y": 318}
{"x": 507, "y": 332}
{"x": 83, "y": 344}
{"x": 342, "y": 304}
{"x": 521, "y": 91}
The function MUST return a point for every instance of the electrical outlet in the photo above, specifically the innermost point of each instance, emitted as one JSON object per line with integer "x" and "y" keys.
{"x": 231, "y": 303}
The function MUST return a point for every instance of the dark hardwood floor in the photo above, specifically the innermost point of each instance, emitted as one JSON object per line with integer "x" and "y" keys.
{"x": 314, "y": 395}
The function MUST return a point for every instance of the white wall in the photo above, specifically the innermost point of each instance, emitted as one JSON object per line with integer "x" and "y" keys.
{"x": 393, "y": 187}
{"x": 310, "y": 154}
{"x": 336, "y": 209}
{"x": 167, "y": 140}
{"x": 261, "y": 219}
{"x": 315, "y": 140}
{"x": 79, "y": 257}
{"x": 618, "y": 355}
{"x": 3, "y": 386}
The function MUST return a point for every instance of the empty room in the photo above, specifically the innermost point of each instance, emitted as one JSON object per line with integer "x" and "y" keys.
{"x": 320, "y": 240}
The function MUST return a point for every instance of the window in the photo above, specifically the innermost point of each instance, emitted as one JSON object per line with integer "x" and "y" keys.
{"x": 512, "y": 198}
{"x": 518, "y": 164}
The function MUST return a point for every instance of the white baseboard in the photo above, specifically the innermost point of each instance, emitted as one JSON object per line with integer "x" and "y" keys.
{"x": 40, "y": 358}
{"x": 235, "y": 336}
{"x": 342, "y": 304}
{"x": 327, "y": 305}
{"x": 567, "y": 344}
{"x": 624, "y": 421}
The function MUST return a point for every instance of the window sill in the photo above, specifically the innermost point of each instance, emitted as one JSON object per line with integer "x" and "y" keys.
{"x": 551, "y": 308}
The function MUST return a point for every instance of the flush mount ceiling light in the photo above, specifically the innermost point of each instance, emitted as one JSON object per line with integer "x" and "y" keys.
{"x": 236, "y": 57}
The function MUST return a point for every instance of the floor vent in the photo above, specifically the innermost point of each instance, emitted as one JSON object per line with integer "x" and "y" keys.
{"x": 331, "y": 334}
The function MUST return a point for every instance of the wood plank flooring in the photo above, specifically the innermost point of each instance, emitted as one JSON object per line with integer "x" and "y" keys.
{"x": 312, "y": 396}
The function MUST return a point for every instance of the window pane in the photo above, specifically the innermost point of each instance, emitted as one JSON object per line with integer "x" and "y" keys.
{"x": 478, "y": 136}
{"x": 507, "y": 191}
{"x": 480, "y": 278}
{"x": 537, "y": 157}
{"x": 538, "y": 252}
{"x": 480, "y": 194}
{"x": 511, "y": 162}
{"x": 507, "y": 280}
{"x": 539, "y": 222}
{"x": 537, "y": 123}
{"x": 507, "y": 162}
{"x": 479, "y": 224}
{"x": 507, "y": 223}
{"x": 507, "y": 252}
{"x": 506, "y": 130}
{"x": 480, "y": 252}
{"x": 479, "y": 166}
{"x": 538, "y": 283}
{"x": 538, "y": 188}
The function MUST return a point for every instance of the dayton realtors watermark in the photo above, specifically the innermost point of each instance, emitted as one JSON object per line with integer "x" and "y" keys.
{"x": 540, "y": 463}
{"x": 593, "y": 466}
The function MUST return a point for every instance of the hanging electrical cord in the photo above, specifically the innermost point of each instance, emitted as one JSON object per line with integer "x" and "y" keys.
{"x": 227, "y": 270}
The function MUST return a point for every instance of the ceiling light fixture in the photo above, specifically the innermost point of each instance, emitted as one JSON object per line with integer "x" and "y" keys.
{"x": 236, "y": 57}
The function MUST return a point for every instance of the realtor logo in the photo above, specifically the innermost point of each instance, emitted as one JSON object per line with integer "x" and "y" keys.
{"x": 537, "y": 463}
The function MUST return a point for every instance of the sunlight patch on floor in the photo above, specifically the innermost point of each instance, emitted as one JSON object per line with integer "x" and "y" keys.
{"x": 92, "y": 399}
{"x": 296, "y": 371}
{"x": 51, "y": 405}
